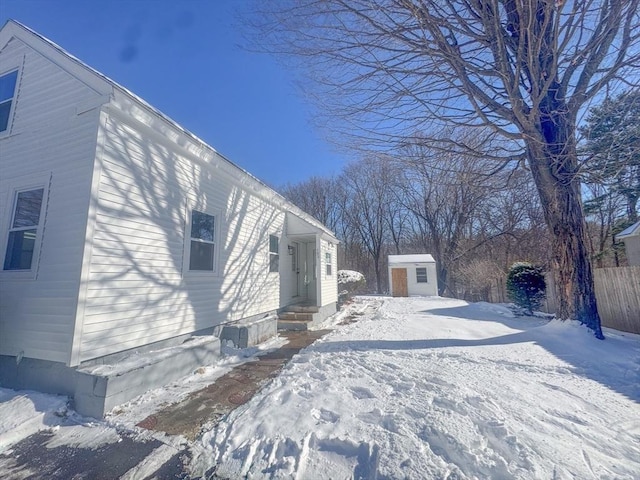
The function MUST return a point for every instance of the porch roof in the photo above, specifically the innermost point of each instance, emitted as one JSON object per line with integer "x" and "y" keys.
{"x": 300, "y": 228}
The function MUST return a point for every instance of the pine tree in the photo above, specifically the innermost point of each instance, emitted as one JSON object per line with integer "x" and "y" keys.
{"x": 612, "y": 147}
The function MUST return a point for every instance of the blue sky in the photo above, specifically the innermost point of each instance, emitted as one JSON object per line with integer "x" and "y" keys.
{"x": 184, "y": 58}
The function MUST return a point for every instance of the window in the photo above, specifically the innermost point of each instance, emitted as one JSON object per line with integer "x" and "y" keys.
{"x": 202, "y": 241}
{"x": 7, "y": 91}
{"x": 23, "y": 231}
{"x": 274, "y": 253}
{"x": 327, "y": 259}
{"x": 421, "y": 275}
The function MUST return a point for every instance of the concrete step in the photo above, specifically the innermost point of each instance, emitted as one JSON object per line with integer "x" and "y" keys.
{"x": 293, "y": 325}
{"x": 301, "y": 308}
{"x": 307, "y": 317}
{"x": 248, "y": 332}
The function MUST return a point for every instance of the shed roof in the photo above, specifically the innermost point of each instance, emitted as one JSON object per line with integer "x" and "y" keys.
{"x": 631, "y": 231}
{"x": 415, "y": 258}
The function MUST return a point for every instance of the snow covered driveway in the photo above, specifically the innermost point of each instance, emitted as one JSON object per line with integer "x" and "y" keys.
{"x": 438, "y": 388}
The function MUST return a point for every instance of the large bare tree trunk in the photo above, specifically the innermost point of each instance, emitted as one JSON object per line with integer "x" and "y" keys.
{"x": 570, "y": 259}
{"x": 553, "y": 158}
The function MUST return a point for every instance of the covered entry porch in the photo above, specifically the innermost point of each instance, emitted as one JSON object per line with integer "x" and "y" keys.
{"x": 308, "y": 288}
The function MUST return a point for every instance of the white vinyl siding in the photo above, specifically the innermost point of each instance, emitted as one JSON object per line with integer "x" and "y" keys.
{"x": 48, "y": 144}
{"x": 122, "y": 181}
{"x": 328, "y": 282}
{"x": 140, "y": 288}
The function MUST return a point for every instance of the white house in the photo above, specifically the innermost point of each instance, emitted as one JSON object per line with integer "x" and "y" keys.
{"x": 631, "y": 238}
{"x": 412, "y": 275}
{"x": 122, "y": 232}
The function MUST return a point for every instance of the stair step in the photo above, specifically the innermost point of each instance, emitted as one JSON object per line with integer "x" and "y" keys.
{"x": 306, "y": 317}
{"x": 293, "y": 325}
{"x": 301, "y": 308}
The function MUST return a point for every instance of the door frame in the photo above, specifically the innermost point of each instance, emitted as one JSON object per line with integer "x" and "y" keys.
{"x": 399, "y": 282}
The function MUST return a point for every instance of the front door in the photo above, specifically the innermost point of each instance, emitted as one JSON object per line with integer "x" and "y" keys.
{"x": 399, "y": 285}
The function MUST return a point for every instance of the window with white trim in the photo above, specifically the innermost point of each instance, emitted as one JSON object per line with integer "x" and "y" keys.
{"x": 202, "y": 244}
{"x": 327, "y": 261}
{"x": 274, "y": 253}
{"x": 421, "y": 275}
{"x": 7, "y": 92}
{"x": 23, "y": 231}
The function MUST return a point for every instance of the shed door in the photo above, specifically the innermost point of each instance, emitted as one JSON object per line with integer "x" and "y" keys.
{"x": 399, "y": 282}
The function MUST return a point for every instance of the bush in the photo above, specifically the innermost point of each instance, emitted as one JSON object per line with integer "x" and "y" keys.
{"x": 526, "y": 286}
{"x": 350, "y": 283}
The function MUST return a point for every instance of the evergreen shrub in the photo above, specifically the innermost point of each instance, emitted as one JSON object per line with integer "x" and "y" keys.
{"x": 526, "y": 286}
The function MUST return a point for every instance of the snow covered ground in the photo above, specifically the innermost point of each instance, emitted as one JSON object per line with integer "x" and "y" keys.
{"x": 418, "y": 388}
{"x": 438, "y": 388}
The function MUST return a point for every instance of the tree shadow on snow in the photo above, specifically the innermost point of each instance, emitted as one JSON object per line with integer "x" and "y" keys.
{"x": 613, "y": 362}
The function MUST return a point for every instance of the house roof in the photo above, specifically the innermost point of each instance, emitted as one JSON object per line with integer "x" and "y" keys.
{"x": 100, "y": 82}
{"x": 415, "y": 258}
{"x": 632, "y": 231}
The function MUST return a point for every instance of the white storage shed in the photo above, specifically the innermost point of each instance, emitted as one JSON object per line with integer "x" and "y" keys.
{"x": 412, "y": 275}
{"x": 631, "y": 238}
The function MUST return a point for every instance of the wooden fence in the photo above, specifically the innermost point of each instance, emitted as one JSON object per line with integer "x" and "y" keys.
{"x": 617, "y": 294}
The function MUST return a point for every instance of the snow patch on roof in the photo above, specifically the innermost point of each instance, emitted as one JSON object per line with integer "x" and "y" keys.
{"x": 630, "y": 231}
{"x": 416, "y": 258}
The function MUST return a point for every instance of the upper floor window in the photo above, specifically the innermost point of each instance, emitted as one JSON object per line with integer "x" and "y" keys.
{"x": 327, "y": 258}
{"x": 421, "y": 275}
{"x": 274, "y": 253}
{"x": 7, "y": 92}
{"x": 23, "y": 232}
{"x": 202, "y": 248}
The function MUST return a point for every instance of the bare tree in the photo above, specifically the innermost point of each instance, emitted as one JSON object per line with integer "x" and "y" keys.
{"x": 317, "y": 196}
{"x": 507, "y": 227}
{"x": 368, "y": 203}
{"x": 524, "y": 69}
{"x": 605, "y": 218}
{"x": 443, "y": 191}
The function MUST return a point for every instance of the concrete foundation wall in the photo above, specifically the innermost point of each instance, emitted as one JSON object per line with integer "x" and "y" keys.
{"x": 249, "y": 332}
{"x": 97, "y": 388}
